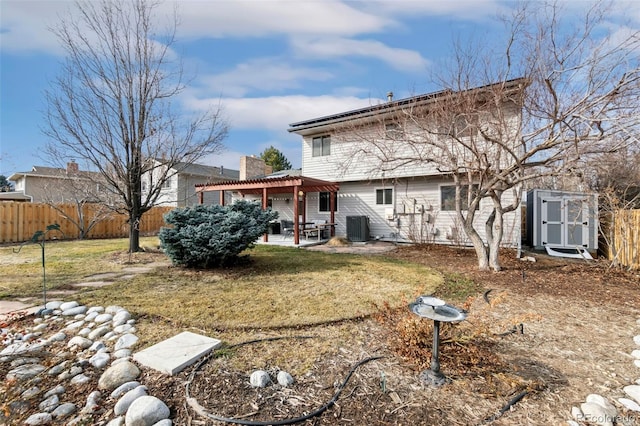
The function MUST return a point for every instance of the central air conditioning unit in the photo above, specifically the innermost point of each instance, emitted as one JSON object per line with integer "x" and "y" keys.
{"x": 358, "y": 228}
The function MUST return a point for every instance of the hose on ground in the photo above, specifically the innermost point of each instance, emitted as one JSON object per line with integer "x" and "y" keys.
{"x": 193, "y": 402}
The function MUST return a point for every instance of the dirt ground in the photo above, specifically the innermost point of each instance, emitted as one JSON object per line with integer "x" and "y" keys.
{"x": 550, "y": 332}
{"x": 578, "y": 322}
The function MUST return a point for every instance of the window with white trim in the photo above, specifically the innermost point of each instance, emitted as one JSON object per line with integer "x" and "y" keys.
{"x": 448, "y": 197}
{"x": 321, "y": 146}
{"x": 384, "y": 196}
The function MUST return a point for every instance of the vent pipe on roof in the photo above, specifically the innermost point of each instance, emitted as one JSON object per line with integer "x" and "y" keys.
{"x": 390, "y": 96}
{"x": 221, "y": 170}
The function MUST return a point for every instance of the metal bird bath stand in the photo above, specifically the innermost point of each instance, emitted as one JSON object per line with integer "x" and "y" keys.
{"x": 439, "y": 311}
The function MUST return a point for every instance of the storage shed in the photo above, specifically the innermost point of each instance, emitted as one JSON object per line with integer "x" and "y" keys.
{"x": 562, "y": 220}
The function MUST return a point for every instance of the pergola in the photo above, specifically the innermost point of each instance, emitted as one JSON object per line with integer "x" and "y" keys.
{"x": 298, "y": 186}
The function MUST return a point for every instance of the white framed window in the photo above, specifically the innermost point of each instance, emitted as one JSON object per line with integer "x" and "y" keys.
{"x": 448, "y": 197}
{"x": 167, "y": 183}
{"x": 324, "y": 202}
{"x": 393, "y": 131}
{"x": 321, "y": 146}
{"x": 384, "y": 196}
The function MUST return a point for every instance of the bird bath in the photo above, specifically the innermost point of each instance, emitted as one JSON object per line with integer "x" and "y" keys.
{"x": 436, "y": 309}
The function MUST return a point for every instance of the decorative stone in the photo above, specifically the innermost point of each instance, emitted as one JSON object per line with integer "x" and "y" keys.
{"x": 259, "y": 379}
{"x": 113, "y": 309}
{"x": 636, "y": 340}
{"x": 633, "y": 391}
{"x": 284, "y": 379}
{"x": 93, "y": 403}
{"x": 97, "y": 347}
{"x": 127, "y": 399}
{"x": 39, "y": 419}
{"x": 604, "y": 403}
{"x": 146, "y": 411}
{"x": 57, "y": 369}
{"x": 80, "y": 379}
{"x": 118, "y": 374}
{"x": 22, "y": 361}
{"x": 124, "y": 388}
{"x": 74, "y": 325}
{"x": 64, "y": 410}
{"x": 96, "y": 309}
{"x": 629, "y": 404}
{"x": 30, "y": 393}
{"x": 41, "y": 327}
{"x": 109, "y": 335}
{"x": 636, "y": 353}
{"x": 54, "y": 304}
{"x": 122, "y": 353}
{"x": 126, "y": 341}
{"x": 124, "y": 328}
{"x": 84, "y": 332}
{"x": 55, "y": 391}
{"x": 596, "y": 414}
{"x": 25, "y": 372}
{"x": 98, "y": 332}
{"x": 49, "y": 404}
{"x": 58, "y": 337}
{"x": 165, "y": 422}
{"x": 91, "y": 316}
{"x": 99, "y": 360}
{"x": 80, "y": 342}
{"x": 74, "y": 311}
{"x": 636, "y": 362}
{"x": 66, "y": 305}
{"x": 118, "y": 421}
{"x": 576, "y": 413}
{"x": 79, "y": 316}
{"x": 121, "y": 318}
{"x": 102, "y": 318}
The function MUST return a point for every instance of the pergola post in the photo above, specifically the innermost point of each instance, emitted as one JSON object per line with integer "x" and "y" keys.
{"x": 332, "y": 208}
{"x": 222, "y": 197}
{"x": 296, "y": 225}
{"x": 265, "y": 204}
{"x": 201, "y": 197}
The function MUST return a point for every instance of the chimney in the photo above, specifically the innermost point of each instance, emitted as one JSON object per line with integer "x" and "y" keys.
{"x": 72, "y": 168}
{"x": 221, "y": 170}
{"x": 390, "y": 96}
{"x": 251, "y": 167}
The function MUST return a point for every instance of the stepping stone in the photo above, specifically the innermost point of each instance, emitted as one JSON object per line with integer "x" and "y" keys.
{"x": 92, "y": 284}
{"x": 173, "y": 355}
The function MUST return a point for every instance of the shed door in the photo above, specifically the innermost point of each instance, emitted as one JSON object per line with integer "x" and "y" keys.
{"x": 552, "y": 222}
{"x": 577, "y": 222}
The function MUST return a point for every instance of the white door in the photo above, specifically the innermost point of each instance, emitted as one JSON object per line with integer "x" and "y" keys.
{"x": 565, "y": 222}
{"x": 553, "y": 222}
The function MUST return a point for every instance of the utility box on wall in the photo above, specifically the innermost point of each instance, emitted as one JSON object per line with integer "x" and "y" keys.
{"x": 562, "y": 219}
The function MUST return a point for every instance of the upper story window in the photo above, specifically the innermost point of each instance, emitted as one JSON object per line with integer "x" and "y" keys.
{"x": 324, "y": 202}
{"x": 321, "y": 146}
{"x": 448, "y": 197}
{"x": 167, "y": 183}
{"x": 384, "y": 196}
{"x": 392, "y": 130}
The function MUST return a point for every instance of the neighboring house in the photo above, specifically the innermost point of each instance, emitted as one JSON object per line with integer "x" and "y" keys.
{"x": 57, "y": 185}
{"x": 409, "y": 203}
{"x": 179, "y": 189}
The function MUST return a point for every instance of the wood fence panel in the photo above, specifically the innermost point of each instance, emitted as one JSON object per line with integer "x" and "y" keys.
{"x": 19, "y": 221}
{"x": 624, "y": 250}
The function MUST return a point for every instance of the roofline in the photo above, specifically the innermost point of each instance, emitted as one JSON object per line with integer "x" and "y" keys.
{"x": 388, "y": 106}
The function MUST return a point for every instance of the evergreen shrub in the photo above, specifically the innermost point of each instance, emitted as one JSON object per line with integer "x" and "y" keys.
{"x": 206, "y": 236}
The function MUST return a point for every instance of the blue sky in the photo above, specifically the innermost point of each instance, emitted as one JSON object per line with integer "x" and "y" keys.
{"x": 268, "y": 63}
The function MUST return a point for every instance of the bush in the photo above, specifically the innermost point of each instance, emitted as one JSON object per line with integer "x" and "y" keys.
{"x": 210, "y": 236}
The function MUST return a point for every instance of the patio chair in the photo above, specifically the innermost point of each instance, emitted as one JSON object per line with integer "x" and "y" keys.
{"x": 286, "y": 228}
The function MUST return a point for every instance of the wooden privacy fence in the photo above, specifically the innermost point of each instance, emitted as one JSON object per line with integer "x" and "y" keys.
{"x": 624, "y": 238}
{"x": 19, "y": 221}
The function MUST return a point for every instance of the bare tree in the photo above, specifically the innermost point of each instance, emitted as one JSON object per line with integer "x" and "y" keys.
{"x": 551, "y": 96}
{"x": 112, "y": 107}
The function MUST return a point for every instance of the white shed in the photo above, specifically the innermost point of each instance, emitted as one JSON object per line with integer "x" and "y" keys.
{"x": 562, "y": 220}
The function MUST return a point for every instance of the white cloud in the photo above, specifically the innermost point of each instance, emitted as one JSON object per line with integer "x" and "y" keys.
{"x": 400, "y": 59}
{"x": 275, "y": 113}
{"x": 24, "y": 25}
{"x": 262, "y": 74}
{"x": 259, "y": 18}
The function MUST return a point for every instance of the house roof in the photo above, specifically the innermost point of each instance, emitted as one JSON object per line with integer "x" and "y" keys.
{"x": 52, "y": 172}
{"x": 273, "y": 185}
{"x": 14, "y": 196}
{"x": 318, "y": 124}
{"x": 207, "y": 171}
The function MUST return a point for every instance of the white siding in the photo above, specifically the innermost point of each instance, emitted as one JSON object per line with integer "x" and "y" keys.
{"x": 418, "y": 215}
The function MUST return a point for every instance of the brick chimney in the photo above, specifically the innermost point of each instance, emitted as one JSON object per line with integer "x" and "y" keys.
{"x": 253, "y": 167}
{"x": 72, "y": 168}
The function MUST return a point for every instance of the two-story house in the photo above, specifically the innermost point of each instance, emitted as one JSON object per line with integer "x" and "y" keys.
{"x": 58, "y": 185}
{"x": 178, "y": 190}
{"x": 383, "y": 179}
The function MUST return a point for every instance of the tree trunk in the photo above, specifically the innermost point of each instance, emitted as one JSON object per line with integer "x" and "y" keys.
{"x": 478, "y": 244}
{"x": 494, "y": 239}
{"x": 134, "y": 233}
